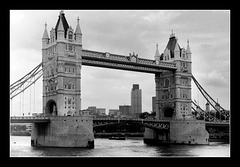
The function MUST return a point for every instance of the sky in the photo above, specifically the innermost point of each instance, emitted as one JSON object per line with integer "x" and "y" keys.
{"x": 123, "y": 32}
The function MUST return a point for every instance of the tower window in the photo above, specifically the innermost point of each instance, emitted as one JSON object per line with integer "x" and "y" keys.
{"x": 70, "y": 47}
{"x": 161, "y": 83}
{"x": 70, "y": 36}
{"x": 69, "y": 86}
{"x": 166, "y": 82}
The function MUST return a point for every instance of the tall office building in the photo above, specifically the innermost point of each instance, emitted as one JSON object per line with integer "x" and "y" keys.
{"x": 136, "y": 100}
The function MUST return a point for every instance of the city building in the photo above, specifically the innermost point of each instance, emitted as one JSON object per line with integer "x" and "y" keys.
{"x": 207, "y": 107}
{"x": 113, "y": 112}
{"x": 136, "y": 100}
{"x": 125, "y": 109}
{"x": 101, "y": 111}
{"x": 92, "y": 109}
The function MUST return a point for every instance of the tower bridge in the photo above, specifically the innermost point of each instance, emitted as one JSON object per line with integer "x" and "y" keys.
{"x": 130, "y": 63}
{"x": 64, "y": 125}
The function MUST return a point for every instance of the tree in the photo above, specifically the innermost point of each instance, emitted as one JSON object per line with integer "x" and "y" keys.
{"x": 144, "y": 115}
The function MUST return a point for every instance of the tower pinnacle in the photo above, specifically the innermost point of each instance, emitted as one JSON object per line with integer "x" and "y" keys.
{"x": 45, "y": 33}
{"x": 172, "y": 34}
{"x": 78, "y": 29}
{"x": 157, "y": 55}
{"x": 188, "y": 47}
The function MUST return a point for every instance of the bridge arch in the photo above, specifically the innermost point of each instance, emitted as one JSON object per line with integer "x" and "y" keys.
{"x": 51, "y": 108}
{"x": 168, "y": 111}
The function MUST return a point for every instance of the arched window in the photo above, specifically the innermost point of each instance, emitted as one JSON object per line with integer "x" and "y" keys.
{"x": 69, "y": 85}
{"x": 166, "y": 82}
{"x": 70, "y": 36}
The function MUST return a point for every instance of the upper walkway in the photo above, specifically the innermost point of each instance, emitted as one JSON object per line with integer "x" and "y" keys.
{"x": 29, "y": 119}
{"x": 130, "y": 63}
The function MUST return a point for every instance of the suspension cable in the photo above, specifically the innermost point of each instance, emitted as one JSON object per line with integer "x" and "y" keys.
{"x": 34, "y": 96}
{"x": 206, "y": 95}
{"x": 23, "y": 104}
{"x": 20, "y": 103}
{"x": 210, "y": 100}
{"x": 27, "y": 80}
{"x": 11, "y": 108}
{"x": 29, "y": 113}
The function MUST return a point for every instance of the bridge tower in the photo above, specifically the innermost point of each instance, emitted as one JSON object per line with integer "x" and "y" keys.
{"x": 61, "y": 56}
{"x": 173, "y": 99}
{"x": 173, "y": 89}
{"x": 62, "y": 61}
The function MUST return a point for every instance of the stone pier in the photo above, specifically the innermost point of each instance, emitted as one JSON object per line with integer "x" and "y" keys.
{"x": 64, "y": 131}
{"x": 180, "y": 132}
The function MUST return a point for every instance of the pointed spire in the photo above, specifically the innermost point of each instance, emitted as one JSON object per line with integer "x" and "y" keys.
{"x": 177, "y": 47}
{"x": 45, "y": 34}
{"x": 60, "y": 25}
{"x": 188, "y": 47}
{"x": 61, "y": 12}
{"x": 78, "y": 29}
{"x": 172, "y": 34}
{"x": 157, "y": 52}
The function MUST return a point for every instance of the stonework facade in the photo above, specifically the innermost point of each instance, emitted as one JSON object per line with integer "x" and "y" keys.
{"x": 173, "y": 89}
{"x": 61, "y": 57}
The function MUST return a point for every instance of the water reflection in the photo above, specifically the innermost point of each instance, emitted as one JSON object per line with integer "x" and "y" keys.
{"x": 117, "y": 148}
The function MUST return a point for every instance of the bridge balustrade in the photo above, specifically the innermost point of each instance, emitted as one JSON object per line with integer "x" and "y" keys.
{"x": 126, "y": 58}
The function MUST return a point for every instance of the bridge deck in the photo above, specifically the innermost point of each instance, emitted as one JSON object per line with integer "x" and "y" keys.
{"x": 29, "y": 119}
{"x": 107, "y": 60}
{"x": 45, "y": 119}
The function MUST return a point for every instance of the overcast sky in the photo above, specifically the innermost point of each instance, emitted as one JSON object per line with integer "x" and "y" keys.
{"x": 124, "y": 32}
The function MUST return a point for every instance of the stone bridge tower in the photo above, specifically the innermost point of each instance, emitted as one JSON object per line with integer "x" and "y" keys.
{"x": 173, "y": 89}
{"x": 61, "y": 57}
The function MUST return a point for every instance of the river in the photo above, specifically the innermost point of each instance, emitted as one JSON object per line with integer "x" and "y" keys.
{"x": 20, "y": 146}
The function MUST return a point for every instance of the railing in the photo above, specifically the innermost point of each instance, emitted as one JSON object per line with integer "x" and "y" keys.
{"x": 29, "y": 117}
{"x": 120, "y": 66}
{"x": 130, "y": 119}
{"x": 126, "y": 58}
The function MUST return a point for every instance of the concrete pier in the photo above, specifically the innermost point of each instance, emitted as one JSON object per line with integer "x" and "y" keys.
{"x": 180, "y": 132}
{"x": 64, "y": 131}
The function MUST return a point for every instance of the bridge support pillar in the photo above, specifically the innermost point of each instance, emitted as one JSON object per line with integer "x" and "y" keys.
{"x": 188, "y": 132}
{"x": 179, "y": 132}
{"x": 155, "y": 136}
{"x": 63, "y": 131}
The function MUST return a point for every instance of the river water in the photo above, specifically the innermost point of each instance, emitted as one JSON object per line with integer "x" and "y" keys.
{"x": 20, "y": 146}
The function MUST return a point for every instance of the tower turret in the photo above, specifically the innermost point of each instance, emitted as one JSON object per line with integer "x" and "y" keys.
{"x": 177, "y": 51}
{"x": 207, "y": 107}
{"x": 78, "y": 33}
{"x": 157, "y": 55}
{"x": 188, "y": 51}
{"x": 45, "y": 37}
{"x": 60, "y": 29}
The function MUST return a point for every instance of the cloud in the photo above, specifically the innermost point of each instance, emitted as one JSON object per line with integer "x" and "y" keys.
{"x": 122, "y": 32}
{"x": 215, "y": 78}
{"x": 212, "y": 79}
{"x": 163, "y": 17}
